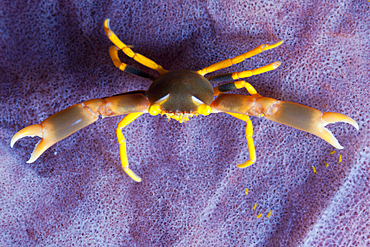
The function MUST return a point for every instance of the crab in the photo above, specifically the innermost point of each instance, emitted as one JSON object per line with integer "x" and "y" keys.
{"x": 180, "y": 95}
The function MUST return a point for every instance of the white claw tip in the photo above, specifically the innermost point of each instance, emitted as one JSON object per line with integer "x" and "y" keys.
{"x": 32, "y": 158}
{"x": 107, "y": 21}
{"x": 355, "y": 124}
{"x": 14, "y": 139}
{"x": 339, "y": 146}
{"x": 276, "y": 64}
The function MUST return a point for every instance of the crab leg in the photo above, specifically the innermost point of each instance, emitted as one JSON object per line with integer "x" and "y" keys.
{"x": 295, "y": 115}
{"x": 136, "y": 56}
{"x": 74, "y": 118}
{"x": 231, "y": 61}
{"x": 122, "y": 143}
{"x": 234, "y": 86}
{"x": 113, "y": 52}
{"x": 248, "y": 134}
{"x": 244, "y": 74}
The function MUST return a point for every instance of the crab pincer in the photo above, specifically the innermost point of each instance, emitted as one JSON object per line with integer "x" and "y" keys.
{"x": 288, "y": 113}
{"x": 76, "y": 117}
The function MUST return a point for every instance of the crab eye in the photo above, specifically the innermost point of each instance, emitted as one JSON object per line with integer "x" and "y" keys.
{"x": 204, "y": 109}
{"x": 155, "y": 109}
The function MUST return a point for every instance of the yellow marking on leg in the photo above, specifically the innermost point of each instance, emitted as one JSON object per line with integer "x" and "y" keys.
{"x": 249, "y": 73}
{"x": 113, "y": 52}
{"x": 238, "y": 85}
{"x": 112, "y": 36}
{"x": 332, "y": 152}
{"x": 326, "y": 163}
{"x": 269, "y": 214}
{"x": 251, "y": 90}
{"x": 255, "y": 206}
{"x": 242, "y": 117}
{"x": 122, "y": 143}
{"x": 246, "y": 191}
{"x": 136, "y": 56}
{"x": 340, "y": 158}
{"x": 231, "y": 61}
{"x": 259, "y": 216}
{"x": 249, "y": 134}
{"x": 314, "y": 169}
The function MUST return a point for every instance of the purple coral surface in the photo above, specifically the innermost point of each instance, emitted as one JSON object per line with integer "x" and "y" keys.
{"x": 55, "y": 54}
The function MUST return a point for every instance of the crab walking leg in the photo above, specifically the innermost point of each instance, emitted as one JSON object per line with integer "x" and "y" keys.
{"x": 113, "y": 52}
{"x": 122, "y": 143}
{"x": 288, "y": 113}
{"x": 248, "y": 134}
{"x": 74, "y": 118}
{"x": 136, "y": 56}
{"x": 244, "y": 74}
{"x": 234, "y": 86}
{"x": 231, "y": 61}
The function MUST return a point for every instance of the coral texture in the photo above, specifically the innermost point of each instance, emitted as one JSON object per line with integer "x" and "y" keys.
{"x": 55, "y": 54}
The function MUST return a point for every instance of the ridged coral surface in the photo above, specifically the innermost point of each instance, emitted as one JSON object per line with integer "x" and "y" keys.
{"x": 55, "y": 54}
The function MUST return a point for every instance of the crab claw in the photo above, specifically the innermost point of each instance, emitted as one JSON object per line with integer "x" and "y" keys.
{"x": 58, "y": 126}
{"x": 308, "y": 119}
{"x": 33, "y": 130}
{"x": 333, "y": 117}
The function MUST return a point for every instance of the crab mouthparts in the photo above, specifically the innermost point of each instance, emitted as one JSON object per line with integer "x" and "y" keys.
{"x": 181, "y": 117}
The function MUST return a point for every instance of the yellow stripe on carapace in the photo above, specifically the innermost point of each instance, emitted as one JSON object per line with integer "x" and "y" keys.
{"x": 314, "y": 169}
{"x": 246, "y": 191}
{"x": 259, "y": 216}
{"x": 332, "y": 152}
{"x": 340, "y": 158}
{"x": 269, "y": 214}
{"x": 255, "y": 206}
{"x": 326, "y": 163}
